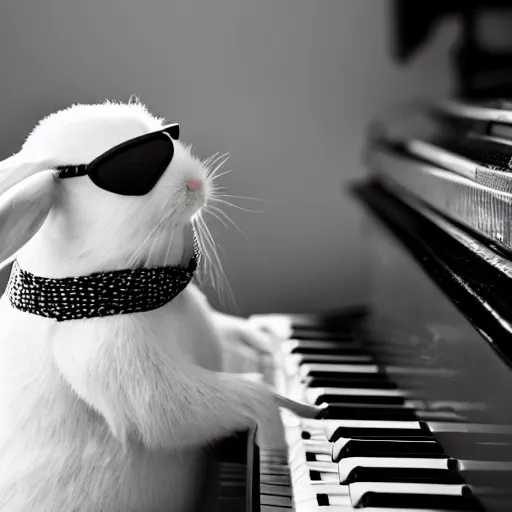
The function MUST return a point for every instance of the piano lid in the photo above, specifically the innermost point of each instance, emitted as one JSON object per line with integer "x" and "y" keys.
{"x": 454, "y": 157}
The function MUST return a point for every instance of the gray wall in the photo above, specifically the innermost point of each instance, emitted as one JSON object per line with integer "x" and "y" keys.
{"x": 286, "y": 86}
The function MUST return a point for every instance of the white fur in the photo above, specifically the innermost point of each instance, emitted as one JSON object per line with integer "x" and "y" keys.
{"x": 112, "y": 414}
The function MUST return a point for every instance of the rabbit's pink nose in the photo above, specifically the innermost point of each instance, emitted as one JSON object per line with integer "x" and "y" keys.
{"x": 194, "y": 184}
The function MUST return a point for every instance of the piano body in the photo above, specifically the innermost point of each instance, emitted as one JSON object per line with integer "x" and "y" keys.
{"x": 418, "y": 382}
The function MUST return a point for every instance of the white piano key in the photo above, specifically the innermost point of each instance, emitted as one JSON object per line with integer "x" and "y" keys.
{"x": 325, "y": 472}
{"x": 317, "y": 435}
{"x": 300, "y": 469}
{"x": 331, "y": 426}
{"x": 430, "y": 445}
{"x": 321, "y": 467}
{"x": 303, "y": 473}
{"x": 369, "y": 369}
{"x": 322, "y": 457}
{"x": 347, "y": 465}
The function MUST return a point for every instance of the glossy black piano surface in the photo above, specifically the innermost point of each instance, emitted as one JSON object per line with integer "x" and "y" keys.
{"x": 442, "y": 316}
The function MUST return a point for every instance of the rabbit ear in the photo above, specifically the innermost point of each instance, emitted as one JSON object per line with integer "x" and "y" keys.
{"x": 18, "y": 167}
{"x": 23, "y": 209}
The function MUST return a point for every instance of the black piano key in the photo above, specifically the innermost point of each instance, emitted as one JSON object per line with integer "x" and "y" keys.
{"x": 359, "y": 381}
{"x": 412, "y": 495}
{"x": 283, "y": 480}
{"x": 332, "y": 359}
{"x": 368, "y": 412}
{"x": 336, "y": 429}
{"x": 326, "y": 348}
{"x": 320, "y": 335}
{"x": 411, "y": 501}
{"x": 404, "y": 475}
{"x": 358, "y": 399}
{"x": 378, "y": 381}
{"x": 345, "y": 350}
{"x": 323, "y": 500}
{"x": 397, "y": 469}
{"x": 332, "y": 322}
{"x": 385, "y": 448}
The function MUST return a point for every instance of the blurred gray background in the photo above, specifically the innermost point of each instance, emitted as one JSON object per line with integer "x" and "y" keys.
{"x": 288, "y": 87}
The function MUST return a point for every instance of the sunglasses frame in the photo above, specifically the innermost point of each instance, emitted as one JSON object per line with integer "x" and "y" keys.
{"x": 170, "y": 133}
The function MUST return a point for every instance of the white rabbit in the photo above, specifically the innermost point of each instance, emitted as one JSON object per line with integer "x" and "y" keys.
{"x": 109, "y": 413}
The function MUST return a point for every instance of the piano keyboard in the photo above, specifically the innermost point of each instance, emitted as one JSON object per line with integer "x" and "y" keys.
{"x": 375, "y": 450}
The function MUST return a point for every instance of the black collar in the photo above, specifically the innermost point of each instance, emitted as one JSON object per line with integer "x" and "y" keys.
{"x": 99, "y": 294}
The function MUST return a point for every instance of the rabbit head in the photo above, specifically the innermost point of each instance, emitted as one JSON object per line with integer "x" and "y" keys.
{"x": 59, "y": 227}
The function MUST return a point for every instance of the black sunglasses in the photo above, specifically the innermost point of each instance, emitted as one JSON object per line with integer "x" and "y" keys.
{"x": 131, "y": 168}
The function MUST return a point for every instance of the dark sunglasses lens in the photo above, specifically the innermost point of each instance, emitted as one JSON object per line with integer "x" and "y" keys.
{"x": 133, "y": 170}
{"x": 174, "y": 131}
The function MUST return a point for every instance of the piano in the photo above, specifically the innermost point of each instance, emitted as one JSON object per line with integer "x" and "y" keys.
{"x": 417, "y": 383}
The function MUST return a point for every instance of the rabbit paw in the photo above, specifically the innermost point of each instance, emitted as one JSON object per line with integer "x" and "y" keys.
{"x": 240, "y": 331}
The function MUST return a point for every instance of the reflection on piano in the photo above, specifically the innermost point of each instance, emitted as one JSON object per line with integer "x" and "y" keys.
{"x": 418, "y": 383}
